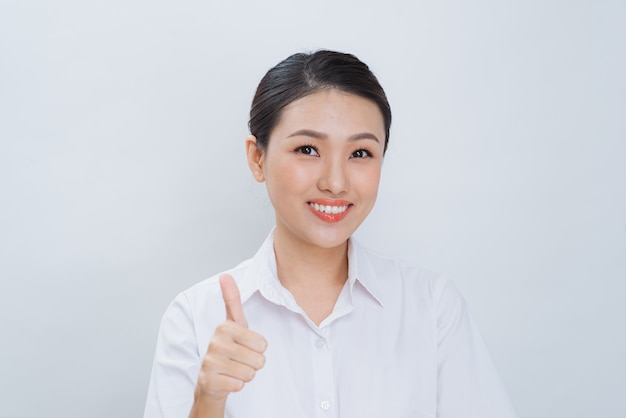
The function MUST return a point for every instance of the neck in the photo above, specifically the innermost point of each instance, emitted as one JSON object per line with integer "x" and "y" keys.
{"x": 313, "y": 275}
{"x": 302, "y": 264}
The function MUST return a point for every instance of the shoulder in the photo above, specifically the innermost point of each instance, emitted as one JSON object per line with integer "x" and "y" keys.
{"x": 395, "y": 279}
{"x": 414, "y": 289}
{"x": 208, "y": 290}
{"x": 200, "y": 307}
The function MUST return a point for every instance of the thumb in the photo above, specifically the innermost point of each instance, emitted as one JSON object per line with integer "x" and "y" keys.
{"x": 232, "y": 300}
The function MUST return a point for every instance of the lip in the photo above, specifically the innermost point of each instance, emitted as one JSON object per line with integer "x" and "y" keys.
{"x": 330, "y": 217}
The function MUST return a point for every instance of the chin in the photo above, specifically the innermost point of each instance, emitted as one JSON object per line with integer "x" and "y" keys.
{"x": 317, "y": 233}
{"x": 330, "y": 239}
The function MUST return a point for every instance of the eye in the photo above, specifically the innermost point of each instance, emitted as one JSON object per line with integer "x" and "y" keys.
{"x": 361, "y": 153}
{"x": 307, "y": 150}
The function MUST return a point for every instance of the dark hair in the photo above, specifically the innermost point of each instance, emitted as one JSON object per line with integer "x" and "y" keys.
{"x": 302, "y": 74}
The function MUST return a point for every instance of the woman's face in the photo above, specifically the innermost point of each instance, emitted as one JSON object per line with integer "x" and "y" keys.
{"x": 322, "y": 166}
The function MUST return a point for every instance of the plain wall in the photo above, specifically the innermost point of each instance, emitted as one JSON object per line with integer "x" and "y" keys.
{"x": 123, "y": 179}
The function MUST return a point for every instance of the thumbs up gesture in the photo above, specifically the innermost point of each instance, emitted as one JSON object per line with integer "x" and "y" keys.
{"x": 232, "y": 300}
{"x": 234, "y": 355}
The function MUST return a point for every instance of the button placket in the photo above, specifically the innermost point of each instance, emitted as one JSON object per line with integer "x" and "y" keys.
{"x": 323, "y": 376}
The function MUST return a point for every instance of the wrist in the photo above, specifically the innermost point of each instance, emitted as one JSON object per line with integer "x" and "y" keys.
{"x": 206, "y": 405}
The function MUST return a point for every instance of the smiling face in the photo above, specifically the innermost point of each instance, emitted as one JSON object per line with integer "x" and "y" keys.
{"x": 322, "y": 167}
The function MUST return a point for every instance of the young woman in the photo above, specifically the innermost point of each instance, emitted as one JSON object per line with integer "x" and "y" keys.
{"x": 315, "y": 325}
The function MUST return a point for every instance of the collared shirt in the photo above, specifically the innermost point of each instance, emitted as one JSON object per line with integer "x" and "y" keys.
{"x": 400, "y": 342}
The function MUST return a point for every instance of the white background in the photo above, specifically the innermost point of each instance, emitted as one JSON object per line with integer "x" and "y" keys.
{"x": 123, "y": 179}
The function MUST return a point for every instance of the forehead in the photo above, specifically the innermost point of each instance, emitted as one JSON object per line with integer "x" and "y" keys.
{"x": 332, "y": 112}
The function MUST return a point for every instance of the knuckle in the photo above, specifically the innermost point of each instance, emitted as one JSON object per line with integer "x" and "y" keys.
{"x": 237, "y": 386}
{"x": 218, "y": 344}
{"x": 263, "y": 343}
{"x": 207, "y": 361}
{"x": 249, "y": 375}
{"x": 222, "y": 328}
{"x": 204, "y": 380}
{"x": 214, "y": 345}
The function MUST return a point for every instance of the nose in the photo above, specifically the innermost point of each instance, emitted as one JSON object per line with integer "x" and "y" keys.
{"x": 334, "y": 177}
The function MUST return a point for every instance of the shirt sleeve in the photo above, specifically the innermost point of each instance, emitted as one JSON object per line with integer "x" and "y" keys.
{"x": 176, "y": 364}
{"x": 468, "y": 383}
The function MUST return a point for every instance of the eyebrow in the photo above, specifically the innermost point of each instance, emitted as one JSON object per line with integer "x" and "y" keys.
{"x": 320, "y": 135}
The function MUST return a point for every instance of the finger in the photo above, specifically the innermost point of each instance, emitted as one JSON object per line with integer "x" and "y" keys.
{"x": 232, "y": 300}
{"x": 225, "y": 384}
{"x": 237, "y": 371}
{"x": 249, "y": 354}
{"x": 251, "y": 340}
{"x": 229, "y": 337}
{"x": 218, "y": 384}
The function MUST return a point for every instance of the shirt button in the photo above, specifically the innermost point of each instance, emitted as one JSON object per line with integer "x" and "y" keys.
{"x": 325, "y": 405}
{"x": 320, "y": 343}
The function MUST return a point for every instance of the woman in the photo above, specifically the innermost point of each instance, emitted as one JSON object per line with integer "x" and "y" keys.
{"x": 315, "y": 325}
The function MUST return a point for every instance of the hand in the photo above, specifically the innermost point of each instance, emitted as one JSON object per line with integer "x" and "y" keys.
{"x": 235, "y": 353}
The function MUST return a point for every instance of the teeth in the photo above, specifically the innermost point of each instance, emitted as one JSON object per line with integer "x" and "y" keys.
{"x": 328, "y": 209}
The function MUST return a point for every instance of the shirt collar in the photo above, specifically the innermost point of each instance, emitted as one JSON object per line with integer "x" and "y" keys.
{"x": 261, "y": 274}
{"x": 361, "y": 270}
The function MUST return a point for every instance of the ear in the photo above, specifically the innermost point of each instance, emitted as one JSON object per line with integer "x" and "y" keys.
{"x": 255, "y": 158}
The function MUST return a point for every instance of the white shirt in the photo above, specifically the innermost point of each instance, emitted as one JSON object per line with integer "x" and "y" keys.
{"x": 400, "y": 342}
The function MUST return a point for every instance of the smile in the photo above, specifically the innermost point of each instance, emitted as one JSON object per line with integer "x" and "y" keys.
{"x": 328, "y": 208}
{"x": 330, "y": 213}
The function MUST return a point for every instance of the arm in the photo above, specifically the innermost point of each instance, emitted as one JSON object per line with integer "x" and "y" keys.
{"x": 234, "y": 355}
{"x": 469, "y": 385}
{"x": 185, "y": 381}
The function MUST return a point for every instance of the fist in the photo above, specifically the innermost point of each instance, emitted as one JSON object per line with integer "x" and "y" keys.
{"x": 235, "y": 352}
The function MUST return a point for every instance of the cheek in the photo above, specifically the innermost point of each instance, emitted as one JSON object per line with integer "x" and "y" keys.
{"x": 367, "y": 182}
{"x": 284, "y": 176}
